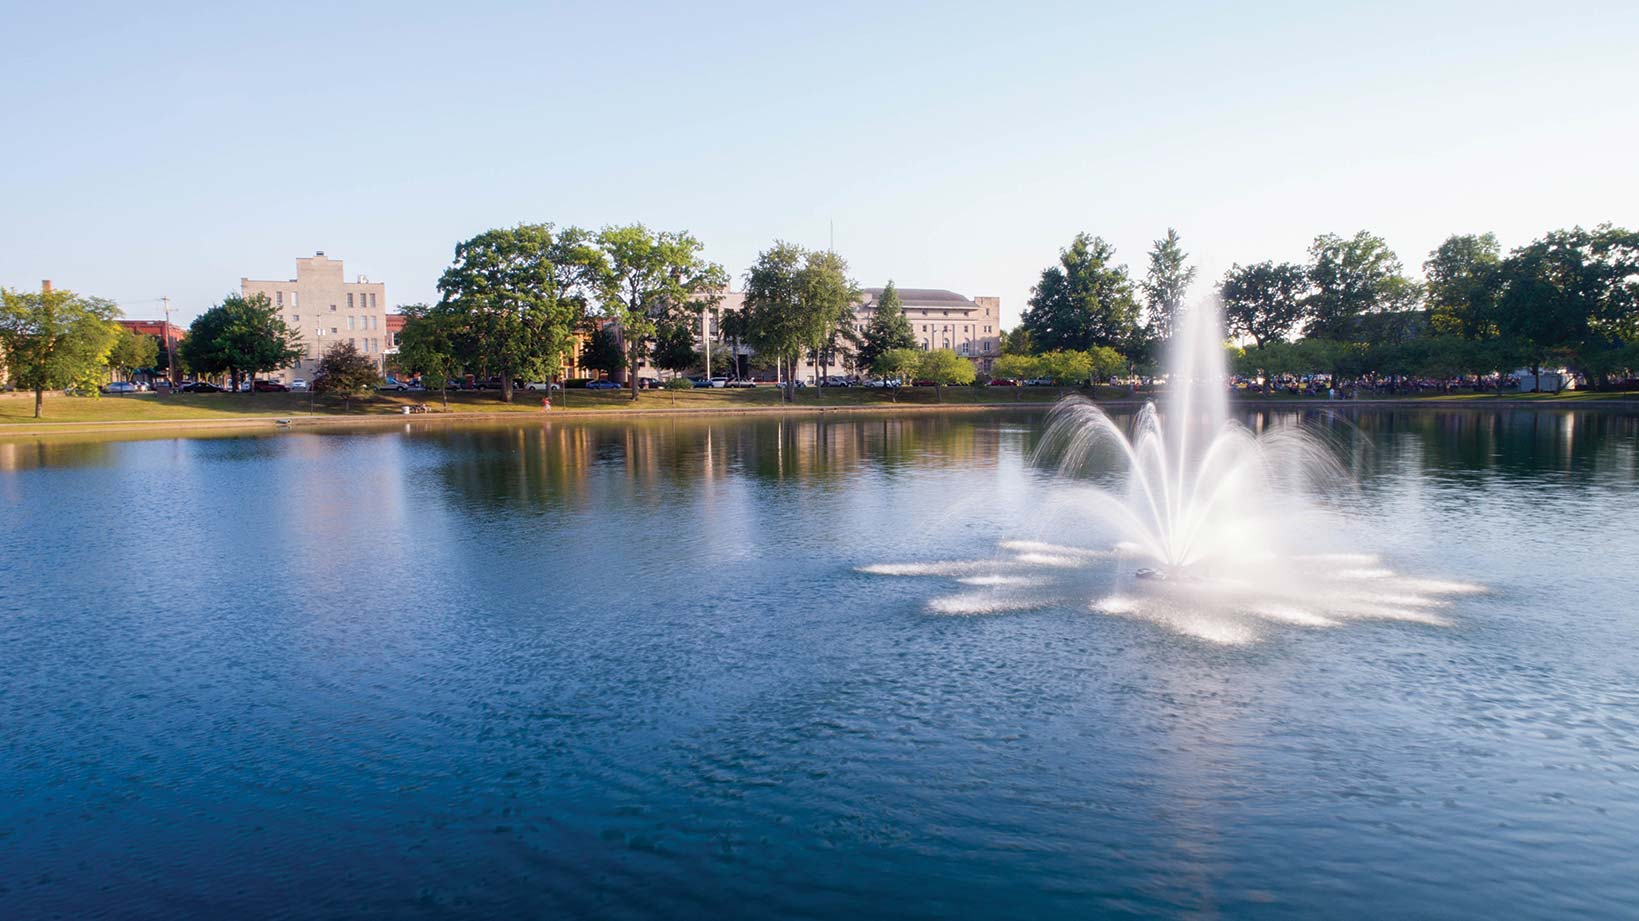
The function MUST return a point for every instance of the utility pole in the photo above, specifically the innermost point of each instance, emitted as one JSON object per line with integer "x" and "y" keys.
{"x": 170, "y": 350}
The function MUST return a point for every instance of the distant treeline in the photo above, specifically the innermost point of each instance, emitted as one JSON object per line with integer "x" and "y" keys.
{"x": 1569, "y": 298}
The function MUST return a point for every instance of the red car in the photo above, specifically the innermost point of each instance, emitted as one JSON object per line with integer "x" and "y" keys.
{"x": 268, "y": 387}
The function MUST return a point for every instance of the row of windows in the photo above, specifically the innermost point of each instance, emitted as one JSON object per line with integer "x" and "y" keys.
{"x": 364, "y": 300}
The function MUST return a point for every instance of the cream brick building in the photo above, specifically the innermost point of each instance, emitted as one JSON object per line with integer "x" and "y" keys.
{"x": 326, "y": 308}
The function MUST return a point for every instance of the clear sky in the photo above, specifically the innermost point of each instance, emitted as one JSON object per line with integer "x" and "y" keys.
{"x": 156, "y": 149}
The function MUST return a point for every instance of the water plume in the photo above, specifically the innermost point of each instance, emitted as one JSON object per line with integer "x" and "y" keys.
{"x": 1212, "y": 523}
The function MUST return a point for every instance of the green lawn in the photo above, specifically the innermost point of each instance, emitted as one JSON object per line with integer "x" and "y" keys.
{"x": 18, "y": 408}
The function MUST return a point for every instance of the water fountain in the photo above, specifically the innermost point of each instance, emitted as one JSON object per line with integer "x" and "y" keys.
{"x": 1219, "y": 529}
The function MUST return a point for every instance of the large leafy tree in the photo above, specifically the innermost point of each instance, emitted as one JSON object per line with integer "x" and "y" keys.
{"x": 888, "y": 328}
{"x": 828, "y": 297}
{"x": 347, "y": 372}
{"x": 1464, "y": 281}
{"x": 241, "y": 336}
{"x": 945, "y": 367}
{"x": 674, "y": 347}
{"x": 55, "y": 339}
{"x": 649, "y": 278}
{"x": 1358, "y": 289}
{"x": 429, "y": 345}
{"x": 1263, "y": 300}
{"x": 133, "y": 351}
{"x": 896, "y": 366}
{"x": 1166, "y": 284}
{"x": 602, "y": 351}
{"x": 1085, "y": 300}
{"x": 520, "y": 292}
{"x": 1573, "y": 292}
{"x": 777, "y": 323}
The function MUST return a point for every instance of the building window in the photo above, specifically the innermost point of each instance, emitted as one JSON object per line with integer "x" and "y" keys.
{"x": 332, "y": 330}
{"x": 372, "y": 300}
{"x": 278, "y": 298}
{"x": 293, "y": 299}
{"x": 332, "y": 306}
{"x": 295, "y": 318}
{"x": 349, "y": 302}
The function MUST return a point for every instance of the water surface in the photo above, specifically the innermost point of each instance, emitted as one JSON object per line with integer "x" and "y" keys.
{"x": 633, "y": 669}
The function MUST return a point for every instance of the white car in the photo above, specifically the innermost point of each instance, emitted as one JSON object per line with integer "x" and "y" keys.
{"x": 540, "y": 386}
{"x": 298, "y": 384}
{"x": 719, "y": 382}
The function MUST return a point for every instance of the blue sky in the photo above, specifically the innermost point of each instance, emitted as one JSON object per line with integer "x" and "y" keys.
{"x": 170, "y": 149}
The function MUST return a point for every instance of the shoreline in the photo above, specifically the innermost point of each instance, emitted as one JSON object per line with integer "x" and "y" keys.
{"x": 376, "y": 420}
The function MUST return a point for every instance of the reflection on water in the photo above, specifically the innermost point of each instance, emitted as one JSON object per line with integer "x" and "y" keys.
{"x": 610, "y": 669}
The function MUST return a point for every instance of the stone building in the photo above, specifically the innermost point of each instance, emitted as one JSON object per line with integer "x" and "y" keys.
{"x": 326, "y": 308}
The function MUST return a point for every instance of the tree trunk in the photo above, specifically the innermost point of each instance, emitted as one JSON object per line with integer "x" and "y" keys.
{"x": 39, "y": 400}
{"x": 938, "y": 392}
{"x": 506, "y": 388}
{"x": 444, "y": 392}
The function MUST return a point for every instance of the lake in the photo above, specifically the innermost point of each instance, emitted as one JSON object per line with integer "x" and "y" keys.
{"x": 627, "y": 669}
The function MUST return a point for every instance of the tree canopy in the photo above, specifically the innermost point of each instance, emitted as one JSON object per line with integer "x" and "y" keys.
{"x": 1357, "y": 289}
{"x": 1166, "y": 284}
{"x": 344, "y": 370}
{"x": 429, "y": 345}
{"x": 55, "y": 339}
{"x": 241, "y": 336}
{"x": 651, "y": 277}
{"x": 1084, "y": 300}
{"x": 1263, "y": 301}
{"x": 888, "y": 328}
{"x": 519, "y": 293}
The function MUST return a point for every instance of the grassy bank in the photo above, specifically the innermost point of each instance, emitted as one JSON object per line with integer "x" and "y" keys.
{"x": 18, "y": 408}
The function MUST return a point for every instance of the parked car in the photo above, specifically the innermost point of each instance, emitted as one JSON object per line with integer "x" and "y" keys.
{"x": 1039, "y": 382}
{"x": 649, "y": 383}
{"x": 1002, "y": 382}
{"x": 390, "y": 384}
{"x": 718, "y": 382}
{"x": 120, "y": 387}
{"x": 268, "y": 387}
{"x": 923, "y": 382}
{"x": 742, "y": 382}
{"x": 602, "y": 385}
{"x": 542, "y": 386}
{"x": 200, "y": 387}
{"x": 298, "y": 385}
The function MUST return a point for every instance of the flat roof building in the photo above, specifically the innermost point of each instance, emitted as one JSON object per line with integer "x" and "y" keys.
{"x": 326, "y": 308}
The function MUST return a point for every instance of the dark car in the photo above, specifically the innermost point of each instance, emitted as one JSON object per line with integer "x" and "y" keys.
{"x": 922, "y": 382}
{"x": 1002, "y": 382}
{"x": 602, "y": 385}
{"x": 269, "y": 387}
{"x": 200, "y": 387}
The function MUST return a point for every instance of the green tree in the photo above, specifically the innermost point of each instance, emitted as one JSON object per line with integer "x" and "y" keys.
{"x": 1263, "y": 300}
{"x": 1067, "y": 366}
{"x": 1085, "y": 300}
{"x": 429, "y": 345}
{"x": 346, "y": 371}
{"x": 650, "y": 278}
{"x": 1166, "y": 285}
{"x": 1104, "y": 363}
{"x": 1017, "y": 341}
{"x": 519, "y": 293}
{"x": 1017, "y": 368}
{"x": 603, "y": 351}
{"x": 133, "y": 352}
{"x": 1357, "y": 289}
{"x": 777, "y": 323}
{"x": 1464, "y": 280}
{"x": 1573, "y": 292}
{"x": 674, "y": 348}
{"x": 242, "y": 336}
{"x": 888, "y": 328}
{"x": 828, "y": 297}
{"x": 55, "y": 339}
{"x": 944, "y": 366}
{"x": 896, "y": 366}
